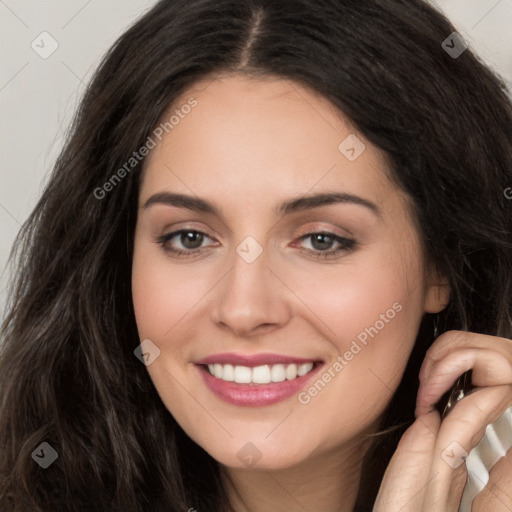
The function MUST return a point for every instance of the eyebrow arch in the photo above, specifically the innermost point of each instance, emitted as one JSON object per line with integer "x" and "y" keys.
{"x": 284, "y": 208}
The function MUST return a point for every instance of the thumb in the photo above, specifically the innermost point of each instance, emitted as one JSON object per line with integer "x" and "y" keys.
{"x": 406, "y": 477}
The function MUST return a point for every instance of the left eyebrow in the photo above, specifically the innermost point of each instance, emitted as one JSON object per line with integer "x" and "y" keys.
{"x": 286, "y": 207}
{"x": 314, "y": 201}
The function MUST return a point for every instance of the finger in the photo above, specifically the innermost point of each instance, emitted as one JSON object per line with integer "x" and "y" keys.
{"x": 489, "y": 369}
{"x": 458, "y": 434}
{"x": 404, "y": 482}
{"x": 451, "y": 341}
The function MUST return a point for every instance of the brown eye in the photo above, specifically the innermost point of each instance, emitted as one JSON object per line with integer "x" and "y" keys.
{"x": 189, "y": 242}
{"x": 191, "y": 239}
{"x": 321, "y": 243}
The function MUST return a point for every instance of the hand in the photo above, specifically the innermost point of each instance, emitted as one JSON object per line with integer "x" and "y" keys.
{"x": 418, "y": 478}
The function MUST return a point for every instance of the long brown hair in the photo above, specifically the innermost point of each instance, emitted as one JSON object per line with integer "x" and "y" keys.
{"x": 68, "y": 375}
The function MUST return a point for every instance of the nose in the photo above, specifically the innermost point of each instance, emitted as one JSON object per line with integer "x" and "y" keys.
{"x": 251, "y": 299}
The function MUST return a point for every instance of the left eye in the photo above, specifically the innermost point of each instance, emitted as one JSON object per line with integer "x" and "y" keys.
{"x": 322, "y": 243}
{"x": 191, "y": 241}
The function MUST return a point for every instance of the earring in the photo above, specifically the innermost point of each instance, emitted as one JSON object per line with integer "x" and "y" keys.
{"x": 436, "y": 326}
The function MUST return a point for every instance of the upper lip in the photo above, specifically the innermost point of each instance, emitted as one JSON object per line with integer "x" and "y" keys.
{"x": 253, "y": 360}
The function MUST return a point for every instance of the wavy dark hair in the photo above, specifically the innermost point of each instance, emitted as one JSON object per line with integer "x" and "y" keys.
{"x": 68, "y": 374}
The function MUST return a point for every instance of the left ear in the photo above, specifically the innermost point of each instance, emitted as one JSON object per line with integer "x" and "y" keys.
{"x": 437, "y": 293}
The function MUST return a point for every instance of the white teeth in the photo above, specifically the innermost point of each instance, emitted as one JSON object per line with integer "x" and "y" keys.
{"x": 242, "y": 375}
{"x": 261, "y": 374}
{"x": 304, "y": 368}
{"x": 291, "y": 371}
{"x": 264, "y": 374}
{"x": 217, "y": 370}
{"x": 228, "y": 372}
{"x": 277, "y": 373}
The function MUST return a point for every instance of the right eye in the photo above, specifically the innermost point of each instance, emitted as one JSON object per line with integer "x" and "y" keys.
{"x": 190, "y": 240}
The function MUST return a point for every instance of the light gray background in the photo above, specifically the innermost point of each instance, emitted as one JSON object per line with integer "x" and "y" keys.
{"x": 38, "y": 96}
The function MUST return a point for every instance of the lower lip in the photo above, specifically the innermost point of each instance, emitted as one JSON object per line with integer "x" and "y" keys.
{"x": 255, "y": 395}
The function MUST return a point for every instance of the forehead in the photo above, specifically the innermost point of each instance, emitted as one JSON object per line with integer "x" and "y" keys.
{"x": 256, "y": 136}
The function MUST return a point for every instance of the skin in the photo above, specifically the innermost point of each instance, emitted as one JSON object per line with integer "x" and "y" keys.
{"x": 247, "y": 146}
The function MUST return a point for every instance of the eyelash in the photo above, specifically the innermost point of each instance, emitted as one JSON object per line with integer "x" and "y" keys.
{"x": 347, "y": 244}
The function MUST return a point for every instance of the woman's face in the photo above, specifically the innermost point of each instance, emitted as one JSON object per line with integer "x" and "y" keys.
{"x": 249, "y": 282}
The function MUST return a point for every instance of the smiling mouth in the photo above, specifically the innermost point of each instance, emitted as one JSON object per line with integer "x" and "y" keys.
{"x": 264, "y": 374}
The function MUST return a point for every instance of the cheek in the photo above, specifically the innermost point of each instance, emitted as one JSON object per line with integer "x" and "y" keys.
{"x": 370, "y": 313}
{"x": 163, "y": 293}
{"x": 350, "y": 298}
